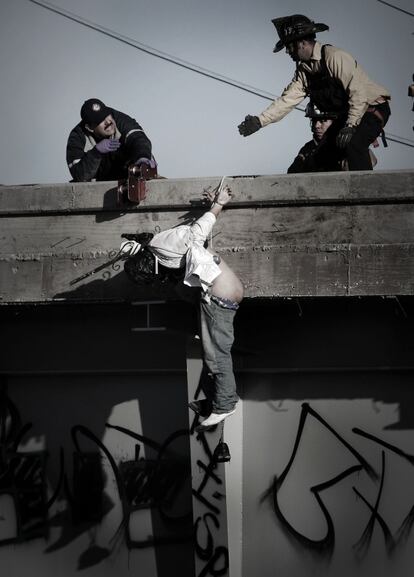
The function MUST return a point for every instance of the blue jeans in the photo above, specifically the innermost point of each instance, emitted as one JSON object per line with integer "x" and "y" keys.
{"x": 217, "y": 336}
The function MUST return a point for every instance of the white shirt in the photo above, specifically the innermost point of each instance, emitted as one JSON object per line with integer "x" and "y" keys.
{"x": 184, "y": 245}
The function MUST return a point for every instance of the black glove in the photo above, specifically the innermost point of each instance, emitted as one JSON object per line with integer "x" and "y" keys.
{"x": 251, "y": 124}
{"x": 344, "y": 136}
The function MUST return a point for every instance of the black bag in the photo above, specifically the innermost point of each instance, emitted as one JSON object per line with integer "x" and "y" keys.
{"x": 141, "y": 267}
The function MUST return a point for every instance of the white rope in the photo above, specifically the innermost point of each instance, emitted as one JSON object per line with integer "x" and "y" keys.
{"x": 219, "y": 189}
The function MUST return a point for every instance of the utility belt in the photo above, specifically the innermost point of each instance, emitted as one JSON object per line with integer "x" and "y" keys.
{"x": 374, "y": 110}
{"x": 382, "y": 112}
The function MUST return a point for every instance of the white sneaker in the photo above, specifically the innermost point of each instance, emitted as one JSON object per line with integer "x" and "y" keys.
{"x": 214, "y": 419}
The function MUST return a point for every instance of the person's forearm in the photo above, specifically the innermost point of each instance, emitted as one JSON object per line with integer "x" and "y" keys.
{"x": 85, "y": 169}
{"x": 216, "y": 208}
{"x": 202, "y": 227}
{"x": 292, "y": 95}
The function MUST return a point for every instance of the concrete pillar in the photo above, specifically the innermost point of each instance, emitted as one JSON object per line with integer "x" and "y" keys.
{"x": 208, "y": 482}
{"x": 233, "y": 436}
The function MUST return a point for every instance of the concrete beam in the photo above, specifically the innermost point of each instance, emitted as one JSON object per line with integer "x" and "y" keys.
{"x": 176, "y": 194}
{"x": 327, "y": 234}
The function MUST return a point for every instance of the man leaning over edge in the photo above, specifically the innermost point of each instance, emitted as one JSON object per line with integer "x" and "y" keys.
{"x": 335, "y": 82}
{"x": 104, "y": 143}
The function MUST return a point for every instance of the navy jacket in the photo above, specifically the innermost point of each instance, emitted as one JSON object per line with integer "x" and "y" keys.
{"x": 85, "y": 162}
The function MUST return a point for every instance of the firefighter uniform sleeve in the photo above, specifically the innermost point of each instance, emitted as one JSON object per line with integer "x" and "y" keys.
{"x": 292, "y": 95}
{"x": 303, "y": 160}
{"x": 83, "y": 165}
{"x": 298, "y": 165}
{"x": 133, "y": 138}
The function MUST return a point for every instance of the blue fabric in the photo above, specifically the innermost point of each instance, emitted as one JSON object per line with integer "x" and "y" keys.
{"x": 225, "y": 303}
{"x": 217, "y": 336}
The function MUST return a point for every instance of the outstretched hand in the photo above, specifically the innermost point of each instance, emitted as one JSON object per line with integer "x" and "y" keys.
{"x": 220, "y": 195}
{"x": 224, "y": 195}
{"x": 250, "y": 125}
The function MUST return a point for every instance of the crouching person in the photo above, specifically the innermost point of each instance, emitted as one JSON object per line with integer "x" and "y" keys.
{"x": 179, "y": 254}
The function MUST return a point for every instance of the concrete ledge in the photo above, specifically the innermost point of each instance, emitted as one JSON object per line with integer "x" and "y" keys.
{"x": 327, "y": 234}
{"x": 333, "y": 187}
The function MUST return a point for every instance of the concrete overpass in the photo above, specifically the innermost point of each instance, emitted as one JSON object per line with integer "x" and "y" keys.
{"x": 323, "y": 351}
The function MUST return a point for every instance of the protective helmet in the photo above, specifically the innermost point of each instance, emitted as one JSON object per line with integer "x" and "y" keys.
{"x": 295, "y": 27}
{"x": 312, "y": 111}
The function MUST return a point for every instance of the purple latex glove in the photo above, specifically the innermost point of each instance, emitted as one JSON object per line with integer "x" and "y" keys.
{"x": 108, "y": 145}
{"x": 151, "y": 162}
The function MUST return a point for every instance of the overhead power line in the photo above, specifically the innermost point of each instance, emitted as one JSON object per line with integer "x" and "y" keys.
{"x": 399, "y": 141}
{"x": 177, "y": 61}
{"x": 154, "y": 52}
{"x": 395, "y": 7}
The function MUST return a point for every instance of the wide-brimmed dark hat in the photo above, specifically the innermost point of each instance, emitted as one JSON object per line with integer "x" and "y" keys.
{"x": 295, "y": 27}
{"x": 94, "y": 111}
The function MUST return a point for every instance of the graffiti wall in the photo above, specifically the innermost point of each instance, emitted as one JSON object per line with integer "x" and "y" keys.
{"x": 102, "y": 470}
{"x": 90, "y": 481}
{"x": 328, "y": 447}
{"x": 95, "y": 470}
{"x": 209, "y": 455}
{"x": 337, "y": 490}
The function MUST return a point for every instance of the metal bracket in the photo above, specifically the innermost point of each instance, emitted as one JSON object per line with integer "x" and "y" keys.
{"x": 134, "y": 189}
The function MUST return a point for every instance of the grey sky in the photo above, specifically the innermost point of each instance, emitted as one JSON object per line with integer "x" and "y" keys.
{"x": 50, "y": 65}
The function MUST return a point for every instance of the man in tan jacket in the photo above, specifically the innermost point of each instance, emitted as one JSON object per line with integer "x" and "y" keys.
{"x": 335, "y": 83}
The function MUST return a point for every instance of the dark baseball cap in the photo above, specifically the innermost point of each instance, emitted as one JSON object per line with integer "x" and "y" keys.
{"x": 93, "y": 111}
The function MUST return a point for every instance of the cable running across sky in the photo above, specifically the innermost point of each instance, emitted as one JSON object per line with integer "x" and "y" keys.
{"x": 183, "y": 63}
